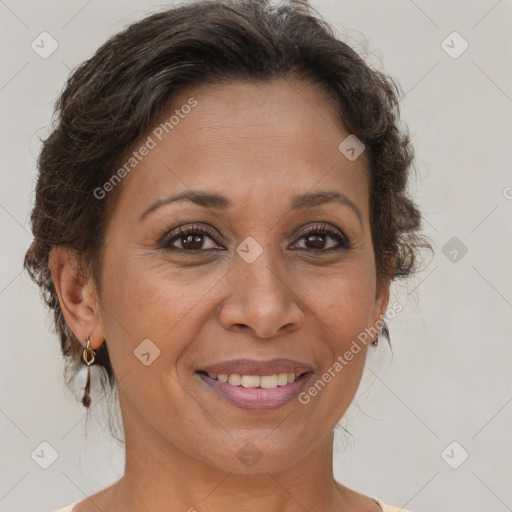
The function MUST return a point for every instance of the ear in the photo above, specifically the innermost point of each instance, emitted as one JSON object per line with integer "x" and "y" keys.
{"x": 381, "y": 301}
{"x": 77, "y": 296}
{"x": 382, "y": 295}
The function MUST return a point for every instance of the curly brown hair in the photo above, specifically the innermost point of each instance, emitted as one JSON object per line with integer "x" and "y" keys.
{"x": 111, "y": 100}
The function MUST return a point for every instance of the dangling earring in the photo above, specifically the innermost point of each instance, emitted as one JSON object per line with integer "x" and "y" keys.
{"x": 384, "y": 331}
{"x": 375, "y": 342}
{"x": 88, "y": 358}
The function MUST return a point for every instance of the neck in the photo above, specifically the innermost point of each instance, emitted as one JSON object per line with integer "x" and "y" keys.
{"x": 159, "y": 476}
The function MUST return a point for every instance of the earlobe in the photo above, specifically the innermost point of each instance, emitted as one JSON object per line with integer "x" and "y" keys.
{"x": 382, "y": 293}
{"x": 385, "y": 300}
{"x": 77, "y": 295}
{"x": 381, "y": 302}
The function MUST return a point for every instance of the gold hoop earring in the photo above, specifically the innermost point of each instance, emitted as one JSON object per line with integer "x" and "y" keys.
{"x": 375, "y": 342}
{"x": 88, "y": 358}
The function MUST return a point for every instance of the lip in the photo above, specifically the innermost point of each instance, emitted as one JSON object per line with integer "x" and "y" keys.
{"x": 254, "y": 367}
{"x": 257, "y": 398}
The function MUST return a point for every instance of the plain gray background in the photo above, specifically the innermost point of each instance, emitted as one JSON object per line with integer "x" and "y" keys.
{"x": 450, "y": 377}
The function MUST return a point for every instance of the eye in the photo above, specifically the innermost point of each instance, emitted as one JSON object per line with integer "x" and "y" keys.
{"x": 191, "y": 238}
{"x": 195, "y": 239}
{"x": 317, "y": 236}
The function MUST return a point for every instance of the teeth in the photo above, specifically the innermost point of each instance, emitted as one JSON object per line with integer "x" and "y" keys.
{"x": 268, "y": 381}
{"x": 282, "y": 379}
{"x": 235, "y": 380}
{"x": 255, "y": 381}
{"x": 250, "y": 381}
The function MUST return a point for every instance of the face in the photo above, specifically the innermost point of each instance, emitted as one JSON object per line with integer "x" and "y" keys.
{"x": 257, "y": 278}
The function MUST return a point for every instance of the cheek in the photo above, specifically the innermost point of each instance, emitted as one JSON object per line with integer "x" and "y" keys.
{"x": 145, "y": 300}
{"x": 344, "y": 299}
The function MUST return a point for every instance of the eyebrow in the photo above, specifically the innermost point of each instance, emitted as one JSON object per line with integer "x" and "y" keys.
{"x": 299, "y": 202}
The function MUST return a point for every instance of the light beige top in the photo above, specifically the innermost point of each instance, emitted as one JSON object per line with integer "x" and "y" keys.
{"x": 385, "y": 508}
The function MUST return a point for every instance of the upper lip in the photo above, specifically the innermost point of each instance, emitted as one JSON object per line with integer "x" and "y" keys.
{"x": 254, "y": 367}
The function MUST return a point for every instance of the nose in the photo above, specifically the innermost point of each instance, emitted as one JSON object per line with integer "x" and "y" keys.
{"x": 261, "y": 299}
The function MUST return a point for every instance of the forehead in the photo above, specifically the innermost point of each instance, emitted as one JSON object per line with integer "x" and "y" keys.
{"x": 245, "y": 139}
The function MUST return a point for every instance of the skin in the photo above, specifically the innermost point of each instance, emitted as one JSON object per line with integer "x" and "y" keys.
{"x": 258, "y": 145}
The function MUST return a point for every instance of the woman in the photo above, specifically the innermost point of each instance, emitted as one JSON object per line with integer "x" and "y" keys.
{"x": 220, "y": 211}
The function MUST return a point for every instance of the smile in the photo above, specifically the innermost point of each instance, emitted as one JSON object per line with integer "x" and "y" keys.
{"x": 256, "y": 381}
{"x": 256, "y": 392}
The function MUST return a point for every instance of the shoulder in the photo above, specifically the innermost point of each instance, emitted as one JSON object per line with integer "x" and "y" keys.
{"x": 69, "y": 508}
{"x": 385, "y": 508}
{"x": 390, "y": 508}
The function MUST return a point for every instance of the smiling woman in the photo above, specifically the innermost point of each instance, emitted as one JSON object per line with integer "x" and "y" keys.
{"x": 242, "y": 265}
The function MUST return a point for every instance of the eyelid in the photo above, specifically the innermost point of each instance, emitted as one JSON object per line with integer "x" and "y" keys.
{"x": 183, "y": 229}
{"x": 337, "y": 234}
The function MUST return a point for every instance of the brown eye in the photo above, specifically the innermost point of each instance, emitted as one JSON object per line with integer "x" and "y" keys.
{"x": 190, "y": 239}
{"x": 196, "y": 239}
{"x": 317, "y": 239}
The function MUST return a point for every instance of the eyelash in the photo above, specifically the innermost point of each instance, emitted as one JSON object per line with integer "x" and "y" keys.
{"x": 343, "y": 241}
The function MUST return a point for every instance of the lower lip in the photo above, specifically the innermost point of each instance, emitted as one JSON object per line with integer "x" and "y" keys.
{"x": 257, "y": 398}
